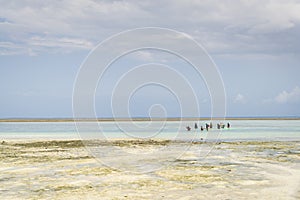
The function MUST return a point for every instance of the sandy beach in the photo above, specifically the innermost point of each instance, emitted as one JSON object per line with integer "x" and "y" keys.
{"x": 65, "y": 169}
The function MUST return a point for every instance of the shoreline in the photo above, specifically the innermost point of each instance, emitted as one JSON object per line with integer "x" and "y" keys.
{"x": 5, "y": 141}
{"x": 140, "y": 119}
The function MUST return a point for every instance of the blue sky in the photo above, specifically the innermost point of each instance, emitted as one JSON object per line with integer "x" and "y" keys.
{"x": 255, "y": 44}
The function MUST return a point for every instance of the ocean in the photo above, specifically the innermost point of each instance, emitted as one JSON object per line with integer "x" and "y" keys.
{"x": 273, "y": 130}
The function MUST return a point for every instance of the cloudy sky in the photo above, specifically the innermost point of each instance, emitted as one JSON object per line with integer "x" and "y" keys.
{"x": 255, "y": 45}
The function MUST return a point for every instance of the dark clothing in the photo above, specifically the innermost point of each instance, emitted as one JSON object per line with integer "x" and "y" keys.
{"x": 196, "y": 126}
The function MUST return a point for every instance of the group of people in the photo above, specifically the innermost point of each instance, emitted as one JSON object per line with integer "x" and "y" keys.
{"x": 208, "y": 126}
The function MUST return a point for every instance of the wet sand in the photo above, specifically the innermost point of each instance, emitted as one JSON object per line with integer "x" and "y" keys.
{"x": 232, "y": 170}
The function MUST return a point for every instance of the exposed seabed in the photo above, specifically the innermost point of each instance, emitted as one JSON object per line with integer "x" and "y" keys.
{"x": 67, "y": 170}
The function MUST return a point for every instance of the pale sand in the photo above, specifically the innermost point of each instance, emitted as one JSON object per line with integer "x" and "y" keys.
{"x": 233, "y": 170}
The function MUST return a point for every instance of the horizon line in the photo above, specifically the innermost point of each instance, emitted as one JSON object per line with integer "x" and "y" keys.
{"x": 70, "y": 119}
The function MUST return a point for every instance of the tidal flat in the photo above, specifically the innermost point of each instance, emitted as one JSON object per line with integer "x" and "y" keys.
{"x": 149, "y": 169}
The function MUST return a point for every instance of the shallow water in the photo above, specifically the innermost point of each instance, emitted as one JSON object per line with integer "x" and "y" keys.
{"x": 240, "y": 130}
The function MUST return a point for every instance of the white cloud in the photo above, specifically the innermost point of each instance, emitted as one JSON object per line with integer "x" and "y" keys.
{"x": 143, "y": 55}
{"x": 239, "y": 99}
{"x": 9, "y": 48}
{"x": 239, "y": 27}
{"x": 288, "y": 97}
{"x": 60, "y": 42}
{"x": 37, "y": 44}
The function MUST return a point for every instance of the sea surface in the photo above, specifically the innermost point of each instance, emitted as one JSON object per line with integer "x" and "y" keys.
{"x": 274, "y": 130}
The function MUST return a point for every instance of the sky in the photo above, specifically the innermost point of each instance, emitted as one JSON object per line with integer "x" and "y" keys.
{"x": 254, "y": 44}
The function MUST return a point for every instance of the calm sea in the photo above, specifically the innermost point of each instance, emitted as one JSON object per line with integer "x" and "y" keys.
{"x": 272, "y": 130}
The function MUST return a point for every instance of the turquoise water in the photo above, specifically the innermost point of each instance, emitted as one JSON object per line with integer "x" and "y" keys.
{"x": 240, "y": 130}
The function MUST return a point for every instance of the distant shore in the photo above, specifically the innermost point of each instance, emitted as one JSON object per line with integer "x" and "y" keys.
{"x": 141, "y": 119}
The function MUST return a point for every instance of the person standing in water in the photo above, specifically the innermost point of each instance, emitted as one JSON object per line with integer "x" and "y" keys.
{"x": 228, "y": 125}
{"x": 206, "y": 126}
{"x": 196, "y": 126}
{"x": 210, "y": 125}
